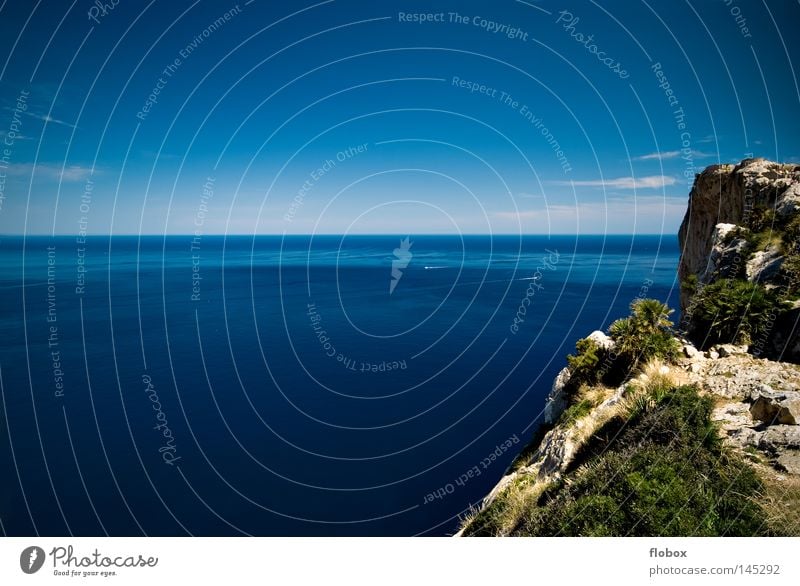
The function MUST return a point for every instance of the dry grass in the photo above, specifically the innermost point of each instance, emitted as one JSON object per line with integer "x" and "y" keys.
{"x": 646, "y": 390}
{"x": 781, "y": 502}
{"x": 508, "y": 508}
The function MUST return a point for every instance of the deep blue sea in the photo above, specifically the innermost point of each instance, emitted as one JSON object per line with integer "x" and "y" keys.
{"x": 284, "y": 386}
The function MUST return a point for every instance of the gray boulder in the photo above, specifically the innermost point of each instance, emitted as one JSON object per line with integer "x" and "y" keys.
{"x": 781, "y": 408}
{"x": 778, "y": 438}
{"x": 790, "y": 461}
{"x": 764, "y": 265}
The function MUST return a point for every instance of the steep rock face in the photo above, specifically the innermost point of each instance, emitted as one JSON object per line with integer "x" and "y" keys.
{"x": 557, "y": 399}
{"x": 558, "y": 447}
{"x": 742, "y": 223}
{"x": 734, "y": 195}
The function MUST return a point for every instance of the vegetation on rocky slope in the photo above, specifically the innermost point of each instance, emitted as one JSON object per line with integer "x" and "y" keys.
{"x": 658, "y": 468}
{"x": 653, "y": 464}
{"x": 732, "y": 311}
{"x": 741, "y": 276}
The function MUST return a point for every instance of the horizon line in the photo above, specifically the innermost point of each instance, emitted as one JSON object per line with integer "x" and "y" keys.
{"x": 307, "y": 234}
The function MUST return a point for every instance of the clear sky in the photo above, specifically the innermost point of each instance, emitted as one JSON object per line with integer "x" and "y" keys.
{"x": 354, "y": 117}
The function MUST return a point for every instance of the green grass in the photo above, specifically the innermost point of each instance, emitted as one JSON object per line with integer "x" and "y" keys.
{"x": 661, "y": 472}
{"x": 575, "y": 412}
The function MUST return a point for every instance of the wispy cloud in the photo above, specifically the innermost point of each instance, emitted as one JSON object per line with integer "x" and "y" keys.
{"x": 49, "y": 119}
{"x": 622, "y": 215}
{"x": 666, "y": 155}
{"x": 15, "y": 137}
{"x": 50, "y": 171}
{"x": 44, "y": 117}
{"x": 646, "y": 182}
{"x": 709, "y": 138}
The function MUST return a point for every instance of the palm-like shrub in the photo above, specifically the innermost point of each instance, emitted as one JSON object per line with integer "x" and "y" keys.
{"x": 732, "y": 311}
{"x": 645, "y": 334}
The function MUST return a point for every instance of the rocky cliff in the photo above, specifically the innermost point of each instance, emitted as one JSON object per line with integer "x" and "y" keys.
{"x": 743, "y": 224}
{"x": 713, "y": 397}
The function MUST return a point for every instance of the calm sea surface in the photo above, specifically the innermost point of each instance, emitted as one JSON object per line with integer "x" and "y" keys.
{"x": 276, "y": 386}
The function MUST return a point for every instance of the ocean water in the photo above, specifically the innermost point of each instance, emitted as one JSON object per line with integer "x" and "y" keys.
{"x": 285, "y": 386}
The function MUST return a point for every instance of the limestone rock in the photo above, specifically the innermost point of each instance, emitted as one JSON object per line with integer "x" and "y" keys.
{"x": 742, "y": 377}
{"x": 725, "y": 350}
{"x": 789, "y": 204}
{"x": 781, "y": 408}
{"x": 557, "y": 399}
{"x": 789, "y": 461}
{"x": 691, "y": 352}
{"x": 601, "y": 339}
{"x": 732, "y": 416}
{"x": 727, "y": 194}
{"x": 726, "y": 261}
{"x": 764, "y": 265}
{"x": 778, "y": 438}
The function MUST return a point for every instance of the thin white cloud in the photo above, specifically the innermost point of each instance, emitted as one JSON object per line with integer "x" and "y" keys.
{"x": 708, "y": 139}
{"x": 51, "y": 171}
{"x": 49, "y": 119}
{"x": 666, "y": 155}
{"x": 44, "y": 117}
{"x": 647, "y": 182}
{"x": 16, "y": 137}
{"x": 622, "y": 215}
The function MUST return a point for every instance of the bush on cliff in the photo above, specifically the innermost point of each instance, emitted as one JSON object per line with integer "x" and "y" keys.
{"x": 645, "y": 335}
{"x": 731, "y": 311}
{"x": 642, "y": 336}
{"x": 657, "y": 471}
{"x": 583, "y": 365}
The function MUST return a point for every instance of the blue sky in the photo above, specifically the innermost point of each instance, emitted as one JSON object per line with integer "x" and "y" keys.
{"x": 352, "y": 117}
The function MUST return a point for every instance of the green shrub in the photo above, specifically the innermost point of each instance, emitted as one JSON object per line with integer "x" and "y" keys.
{"x": 583, "y": 365}
{"x": 762, "y": 219}
{"x": 689, "y": 285}
{"x": 645, "y": 334}
{"x": 666, "y": 474}
{"x": 638, "y": 338}
{"x": 576, "y": 411}
{"x": 790, "y": 275}
{"x": 792, "y": 232}
{"x": 731, "y": 311}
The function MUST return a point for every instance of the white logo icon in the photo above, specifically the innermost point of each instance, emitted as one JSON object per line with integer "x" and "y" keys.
{"x": 402, "y": 257}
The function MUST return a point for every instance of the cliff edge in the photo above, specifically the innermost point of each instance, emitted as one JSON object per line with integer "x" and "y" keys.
{"x": 742, "y": 231}
{"x": 657, "y": 429}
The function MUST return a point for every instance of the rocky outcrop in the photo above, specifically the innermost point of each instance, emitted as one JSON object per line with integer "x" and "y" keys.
{"x": 764, "y": 265}
{"x": 758, "y": 401}
{"x": 725, "y": 197}
{"x": 742, "y": 223}
{"x": 770, "y": 407}
{"x": 758, "y": 411}
{"x": 557, "y": 399}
